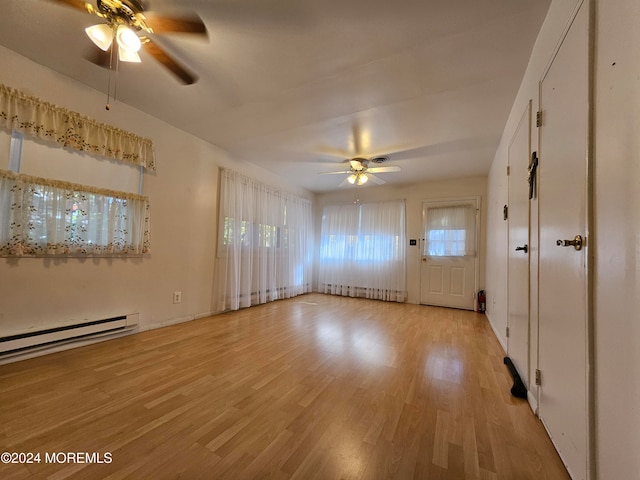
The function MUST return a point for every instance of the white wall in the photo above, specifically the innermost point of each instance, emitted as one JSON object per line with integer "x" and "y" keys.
{"x": 559, "y": 15}
{"x": 42, "y": 292}
{"x": 617, "y": 238}
{"x": 550, "y": 34}
{"x": 414, "y": 196}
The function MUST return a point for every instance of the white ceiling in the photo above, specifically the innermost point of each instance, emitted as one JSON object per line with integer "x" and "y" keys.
{"x": 296, "y": 86}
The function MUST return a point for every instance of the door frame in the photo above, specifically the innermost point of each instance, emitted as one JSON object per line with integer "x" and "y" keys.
{"x": 446, "y": 202}
{"x": 590, "y": 238}
{"x": 524, "y": 123}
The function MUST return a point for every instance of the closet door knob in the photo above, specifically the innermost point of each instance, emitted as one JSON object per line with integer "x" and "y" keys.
{"x": 576, "y": 243}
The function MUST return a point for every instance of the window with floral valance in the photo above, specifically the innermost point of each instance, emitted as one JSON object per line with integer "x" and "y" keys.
{"x": 32, "y": 116}
{"x": 48, "y": 217}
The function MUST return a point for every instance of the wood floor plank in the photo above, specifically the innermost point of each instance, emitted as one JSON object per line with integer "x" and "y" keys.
{"x": 310, "y": 387}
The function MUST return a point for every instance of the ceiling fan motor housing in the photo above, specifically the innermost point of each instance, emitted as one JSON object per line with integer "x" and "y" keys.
{"x": 134, "y": 6}
{"x": 123, "y": 12}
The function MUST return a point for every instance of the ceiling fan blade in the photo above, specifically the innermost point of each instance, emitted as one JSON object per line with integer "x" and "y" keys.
{"x": 77, "y": 4}
{"x": 375, "y": 179}
{"x": 335, "y": 173}
{"x": 390, "y": 168}
{"x": 270, "y": 14}
{"x": 345, "y": 182}
{"x": 355, "y": 132}
{"x": 332, "y": 153}
{"x": 165, "y": 24}
{"x": 163, "y": 57}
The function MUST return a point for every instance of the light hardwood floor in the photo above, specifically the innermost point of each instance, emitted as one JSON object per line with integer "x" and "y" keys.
{"x": 312, "y": 387}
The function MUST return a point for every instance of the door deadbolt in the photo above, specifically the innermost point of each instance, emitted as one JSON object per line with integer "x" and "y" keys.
{"x": 575, "y": 243}
{"x": 524, "y": 248}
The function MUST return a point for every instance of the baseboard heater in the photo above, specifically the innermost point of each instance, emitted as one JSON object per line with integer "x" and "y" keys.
{"x": 22, "y": 342}
{"x": 282, "y": 292}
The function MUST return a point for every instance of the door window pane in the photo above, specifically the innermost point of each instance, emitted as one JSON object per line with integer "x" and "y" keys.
{"x": 450, "y": 231}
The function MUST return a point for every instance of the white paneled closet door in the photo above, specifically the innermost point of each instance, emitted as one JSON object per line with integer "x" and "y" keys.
{"x": 563, "y": 308}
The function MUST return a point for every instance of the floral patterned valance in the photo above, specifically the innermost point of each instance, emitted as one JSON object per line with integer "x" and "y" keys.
{"x": 32, "y": 116}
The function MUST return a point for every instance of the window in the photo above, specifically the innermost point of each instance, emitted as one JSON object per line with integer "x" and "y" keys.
{"x": 265, "y": 246}
{"x": 92, "y": 215}
{"x": 250, "y": 234}
{"x": 46, "y": 217}
{"x": 450, "y": 231}
{"x": 362, "y": 250}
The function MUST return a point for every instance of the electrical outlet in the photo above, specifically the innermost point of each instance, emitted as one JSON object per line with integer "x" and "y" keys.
{"x": 177, "y": 297}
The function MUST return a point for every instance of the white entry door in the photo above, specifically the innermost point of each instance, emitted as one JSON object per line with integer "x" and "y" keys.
{"x": 449, "y": 257}
{"x": 563, "y": 347}
{"x": 518, "y": 266}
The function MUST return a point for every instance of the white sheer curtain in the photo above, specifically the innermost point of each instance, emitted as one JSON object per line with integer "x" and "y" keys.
{"x": 363, "y": 251}
{"x": 450, "y": 231}
{"x": 49, "y": 217}
{"x": 265, "y": 245}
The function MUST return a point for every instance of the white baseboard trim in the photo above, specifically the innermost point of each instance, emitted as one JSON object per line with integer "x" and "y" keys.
{"x": 495, "y": 332}
{"x": 533, "y": 402}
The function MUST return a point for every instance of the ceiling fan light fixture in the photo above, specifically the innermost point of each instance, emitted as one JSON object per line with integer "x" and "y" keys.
{"x": 362, "y": 179}
{"x": 352, "y": 178}
{"x": 101, "y": 35}
{"x": 127, "y": 39}
{"x": 125, "y": 55}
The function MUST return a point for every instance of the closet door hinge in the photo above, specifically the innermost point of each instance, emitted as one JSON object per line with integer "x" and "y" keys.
{"x": 538, "y": 377}
{"x": 507, "y": 332}
{"x": 508, "y": 170}
{"x": 539, "y": 118}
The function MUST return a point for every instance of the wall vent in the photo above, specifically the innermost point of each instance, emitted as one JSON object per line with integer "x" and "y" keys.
{"x": 380, "y": 159}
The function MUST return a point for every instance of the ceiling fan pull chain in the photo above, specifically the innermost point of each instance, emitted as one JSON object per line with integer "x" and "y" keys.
{"x": 108, "y": 106}
{"x": 115, "y": 82}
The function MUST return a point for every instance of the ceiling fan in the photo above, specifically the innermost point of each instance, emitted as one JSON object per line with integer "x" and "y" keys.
{"x": 360, "y": 172}
{"x": 128, "y": 23}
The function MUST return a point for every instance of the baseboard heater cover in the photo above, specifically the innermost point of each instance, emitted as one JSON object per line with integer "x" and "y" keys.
{"x": 12, "y": 344}
{"x": 518, "y": 389}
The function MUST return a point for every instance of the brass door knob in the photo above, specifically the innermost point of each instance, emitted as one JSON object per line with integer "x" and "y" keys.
{"x": 575, "y": 243}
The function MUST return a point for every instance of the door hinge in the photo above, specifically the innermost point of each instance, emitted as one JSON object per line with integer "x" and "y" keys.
{"x": 508, "y": 170}
{"x": 538, "y": 377}
{"x": 539, "y": 118}
{"x": 505, "y": 212}
{"x": 507, "y": 332}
